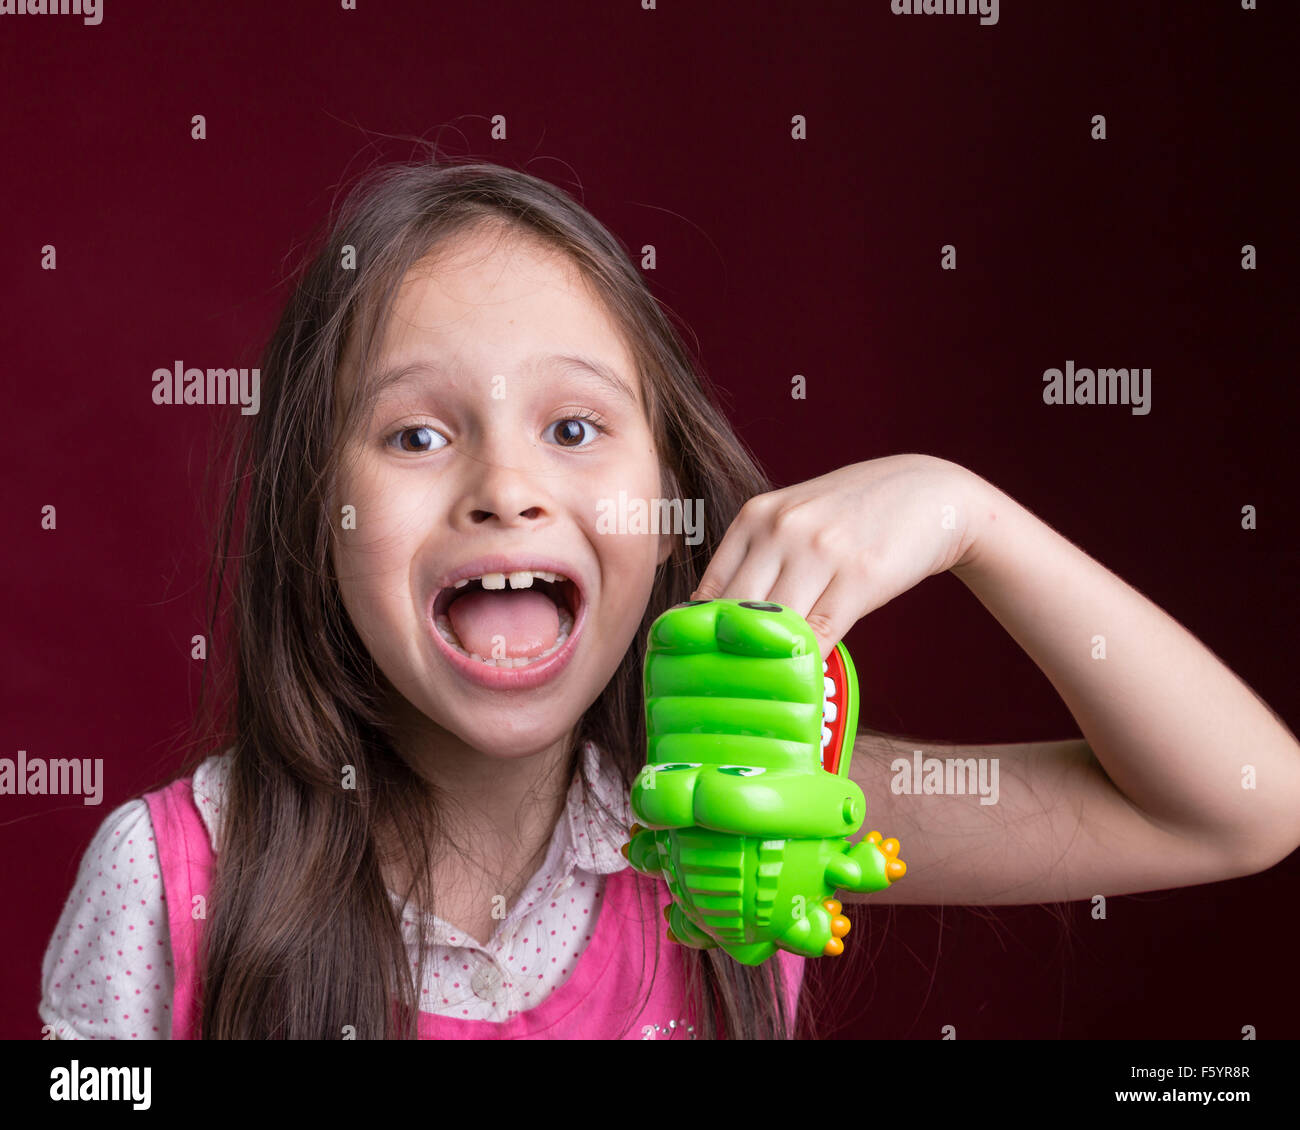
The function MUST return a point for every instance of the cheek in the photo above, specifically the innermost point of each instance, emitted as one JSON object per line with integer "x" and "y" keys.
{"x": 374, "y": 546}
{"x": 374, "y": 603}
{"x": 632, "y": 514}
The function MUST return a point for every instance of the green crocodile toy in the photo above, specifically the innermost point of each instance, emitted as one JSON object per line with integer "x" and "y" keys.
{"x": 745, "y": 805}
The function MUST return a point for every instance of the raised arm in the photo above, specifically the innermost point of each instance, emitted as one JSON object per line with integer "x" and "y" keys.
{"x": 1182, "y": 774}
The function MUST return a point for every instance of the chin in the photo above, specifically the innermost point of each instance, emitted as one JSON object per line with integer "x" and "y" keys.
{"x": 512, "y": 732}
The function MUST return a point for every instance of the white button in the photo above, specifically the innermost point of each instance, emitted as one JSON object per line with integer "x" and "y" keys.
{"x": 565, "y": 885}
{"x": 486, "y": 981}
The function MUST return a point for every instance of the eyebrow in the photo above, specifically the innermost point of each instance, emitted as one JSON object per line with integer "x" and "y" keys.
{"x": 604, "y": 373}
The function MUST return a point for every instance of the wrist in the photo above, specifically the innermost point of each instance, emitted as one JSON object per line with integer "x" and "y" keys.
{"x": 986, "y": 510}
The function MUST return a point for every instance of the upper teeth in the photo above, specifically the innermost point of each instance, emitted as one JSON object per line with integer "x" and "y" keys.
{"x": 829, "y": 711}
{"x": 523, "y": 579}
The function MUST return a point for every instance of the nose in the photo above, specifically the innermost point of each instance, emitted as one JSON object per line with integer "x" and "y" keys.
{"x": 480, "y": 516}
{"x": 509, "y": 496}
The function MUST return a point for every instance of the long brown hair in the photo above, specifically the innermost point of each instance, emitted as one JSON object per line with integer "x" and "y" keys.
{"x": 301, "y": 938}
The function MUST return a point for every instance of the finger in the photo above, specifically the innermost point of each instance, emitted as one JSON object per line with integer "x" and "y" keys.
{"x": 836, "y": 611}
{"x": 800, "y": 584}
{"x": 730, "y": 553}
{"x": 757, "y": 573}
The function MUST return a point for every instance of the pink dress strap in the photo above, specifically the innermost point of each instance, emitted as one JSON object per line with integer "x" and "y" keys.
{"x": 185, "y": 854}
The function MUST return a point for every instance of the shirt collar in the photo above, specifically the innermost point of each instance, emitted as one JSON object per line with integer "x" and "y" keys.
{"x": 592, "y": 836}
{"x": 596, "y": 835}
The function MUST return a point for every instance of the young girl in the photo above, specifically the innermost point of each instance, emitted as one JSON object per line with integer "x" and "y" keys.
{"x": 415, "y": 827}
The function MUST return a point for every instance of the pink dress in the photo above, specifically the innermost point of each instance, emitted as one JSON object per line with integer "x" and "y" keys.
{"x": 604, "y": 998}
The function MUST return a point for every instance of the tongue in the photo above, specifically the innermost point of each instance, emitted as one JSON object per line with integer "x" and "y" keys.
{"x": 505, "y": 625}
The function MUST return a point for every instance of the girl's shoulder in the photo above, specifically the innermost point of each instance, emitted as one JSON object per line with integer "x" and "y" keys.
{"x": 112, "y": 934}
{"x": 208, "y": 789}
{"x": 203, "y": 792}
{"x": 107, "y": 971}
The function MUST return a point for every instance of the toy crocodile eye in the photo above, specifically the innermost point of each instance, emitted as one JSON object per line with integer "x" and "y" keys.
{"x": 741, "y": 770}
{"x": 761, "y": 606}
{"x": 677, "y": 765}
{"x": 689, "y": 603}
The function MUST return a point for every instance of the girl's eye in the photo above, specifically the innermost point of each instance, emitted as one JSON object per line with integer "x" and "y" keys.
{"x": 422, "y": 439}
{"x": 570, "y": 431}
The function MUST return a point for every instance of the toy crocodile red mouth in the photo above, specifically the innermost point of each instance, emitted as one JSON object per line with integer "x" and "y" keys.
{"x": 839, "y": 711}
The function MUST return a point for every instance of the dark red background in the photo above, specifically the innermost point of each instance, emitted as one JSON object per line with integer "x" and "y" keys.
{"x": 818, "y": 257}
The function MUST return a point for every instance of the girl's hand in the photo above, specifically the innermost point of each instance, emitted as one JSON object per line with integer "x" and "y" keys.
{"x": 839, "y": 546}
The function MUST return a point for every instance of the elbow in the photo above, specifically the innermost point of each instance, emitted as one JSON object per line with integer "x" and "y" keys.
{"x": 1274, "y": 833}
{"x": 1257, "y": 857}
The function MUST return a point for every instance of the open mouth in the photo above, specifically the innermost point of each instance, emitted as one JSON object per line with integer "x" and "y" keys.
{"x": 509, "y": 620}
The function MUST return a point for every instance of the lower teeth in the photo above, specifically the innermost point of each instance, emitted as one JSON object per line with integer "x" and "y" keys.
{"x": 566, "y": 626}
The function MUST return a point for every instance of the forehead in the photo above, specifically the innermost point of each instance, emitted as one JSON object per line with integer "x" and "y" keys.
{"x": 494, "y": 281}
{"x": 497, "y": 300}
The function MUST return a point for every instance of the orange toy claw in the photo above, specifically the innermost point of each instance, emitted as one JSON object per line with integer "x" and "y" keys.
{"x": 840, "y": 926}
{"x": 895, "y": 868}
